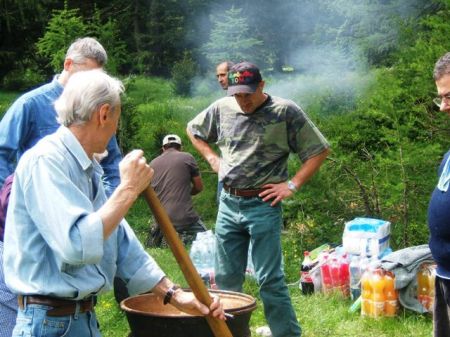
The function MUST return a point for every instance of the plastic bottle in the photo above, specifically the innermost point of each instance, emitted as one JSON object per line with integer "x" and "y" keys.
{"x": 306, "y": 280}
{"x": 316, "y": 277}
{"x": 391, "y": 295}
{"x": 432, "y": 285}
{"x": 202, "y": 257}
{"x": 196, "y": 256}
{"x": 423, "y": 286}
{"x": 327, "y": 284}
{"x": 335, "y": 271}
{"x": 355, "y": 277}
{"x": 378, "y": 296}
{"x": 210, "y": 249}
{"x": 345, "y": 275}
{"x": 366, "y": 293}
{"x": 355, "y": 306}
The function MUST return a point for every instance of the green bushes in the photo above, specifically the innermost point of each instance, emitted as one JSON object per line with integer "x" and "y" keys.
{"x": 156, "y": 112}
{"x": 23, "y": 77}
{"x": 183, "y": 73}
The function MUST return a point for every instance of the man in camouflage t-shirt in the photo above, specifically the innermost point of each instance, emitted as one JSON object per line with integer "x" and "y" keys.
{"x": 255, "y": 133}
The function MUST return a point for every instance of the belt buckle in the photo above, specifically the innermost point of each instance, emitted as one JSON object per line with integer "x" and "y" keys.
{"x": 234, "y": 191}
{"x": 20, "y": 299}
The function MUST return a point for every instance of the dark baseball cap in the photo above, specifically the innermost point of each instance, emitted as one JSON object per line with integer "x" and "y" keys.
{"x": 243, "y": 77}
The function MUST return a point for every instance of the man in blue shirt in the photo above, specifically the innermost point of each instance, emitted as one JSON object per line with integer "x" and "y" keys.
{"x": 64, "y": 240}
{"x": 439, "y": 213}
{"x": 30, "y": 118}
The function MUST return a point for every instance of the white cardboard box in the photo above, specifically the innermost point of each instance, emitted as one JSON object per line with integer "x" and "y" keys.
{"x": 366, "y": 236}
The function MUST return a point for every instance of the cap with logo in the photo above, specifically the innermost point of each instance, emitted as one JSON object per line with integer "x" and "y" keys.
{"x": 171, "y": 139}
{"x": 243, "y": 77}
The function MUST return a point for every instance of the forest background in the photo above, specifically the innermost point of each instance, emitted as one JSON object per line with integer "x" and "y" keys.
{"x": 361, "y": 69}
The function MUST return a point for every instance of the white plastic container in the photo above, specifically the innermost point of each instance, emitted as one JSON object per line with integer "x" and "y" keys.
{"x": 366, "y": 235}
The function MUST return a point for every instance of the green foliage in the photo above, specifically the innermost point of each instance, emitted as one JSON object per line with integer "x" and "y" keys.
{"x": 21, "y": 24}
{"x": 386, "y": 151}
{"x": 128, "y": 125}
{"x": 183, "y": 73}
{"x": 370, "y": 27}
{"x": 6, "y": 99}
{"x": 67, "y": 25}
{"x": 230, "y": 39}
{"x": 24, "y": 77}
{"x": 157, "y": 113}
{"x": 64, "y": 27}
{"x": 108, "y": 33}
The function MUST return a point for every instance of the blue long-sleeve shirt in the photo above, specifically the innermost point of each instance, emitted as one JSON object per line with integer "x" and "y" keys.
{"x": 54, "y": 241}
{"x": 32, "y": 117}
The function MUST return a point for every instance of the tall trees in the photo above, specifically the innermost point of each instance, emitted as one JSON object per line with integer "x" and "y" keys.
{"x": 231, "y": 39}
{"x": 66, "y": 25}
{"x": 21, "y": 24}
{"x": 386, "y": 151}
{"x": 63, "y": 28}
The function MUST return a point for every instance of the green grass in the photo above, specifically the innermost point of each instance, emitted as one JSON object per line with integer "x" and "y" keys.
{"x": 319, "y": 315}
{"x": 6, "y": 99}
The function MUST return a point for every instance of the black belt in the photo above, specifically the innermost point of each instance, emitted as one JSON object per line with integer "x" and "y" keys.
{"x": 60, "y": 307}
{"x": 248, "y": 193}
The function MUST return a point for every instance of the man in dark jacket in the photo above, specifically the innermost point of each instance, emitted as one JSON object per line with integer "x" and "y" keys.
{"x": 439, "y": 212}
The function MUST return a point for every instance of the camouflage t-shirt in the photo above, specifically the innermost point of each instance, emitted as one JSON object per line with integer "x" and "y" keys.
{"x": 255, "y": 147}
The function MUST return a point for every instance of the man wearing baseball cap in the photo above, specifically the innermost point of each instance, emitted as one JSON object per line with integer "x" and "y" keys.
{"x": 255, "y": 133}
{"x": 176, "y": 179}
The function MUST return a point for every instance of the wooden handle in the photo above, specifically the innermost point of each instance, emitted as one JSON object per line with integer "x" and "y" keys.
{"x": 218, "y": 327}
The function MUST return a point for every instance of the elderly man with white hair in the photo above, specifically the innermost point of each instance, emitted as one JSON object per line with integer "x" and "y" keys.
{"x": 67, "y": 241}
{"x": 31, "y": 117}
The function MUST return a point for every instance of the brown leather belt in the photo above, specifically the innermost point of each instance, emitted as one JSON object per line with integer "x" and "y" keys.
{"x": 248, "y": 193}
{"x": 60, "y": 307}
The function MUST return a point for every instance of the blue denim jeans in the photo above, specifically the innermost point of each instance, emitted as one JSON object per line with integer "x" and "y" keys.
{"x": 239, "y": 222}
{"x": 33, "y": 321}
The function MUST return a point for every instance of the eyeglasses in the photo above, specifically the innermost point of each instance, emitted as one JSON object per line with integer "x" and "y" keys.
{"x": 444, "y": 99}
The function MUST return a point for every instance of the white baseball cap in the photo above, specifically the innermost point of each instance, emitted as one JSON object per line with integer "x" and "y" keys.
{"x": 171, "y": 139}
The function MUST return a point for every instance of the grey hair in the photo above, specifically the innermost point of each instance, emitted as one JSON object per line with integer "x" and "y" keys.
{"x": 84, "y": 93}
{"x": 87, "y": 48}
{"x": 442, "y": 67}
{"x": 228, "y": 63}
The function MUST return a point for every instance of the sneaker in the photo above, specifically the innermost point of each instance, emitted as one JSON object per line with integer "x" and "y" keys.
{"x": 264, "y": 331}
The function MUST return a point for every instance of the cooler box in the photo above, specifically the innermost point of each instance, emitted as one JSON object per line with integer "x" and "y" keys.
{"x": 366, "y": 236}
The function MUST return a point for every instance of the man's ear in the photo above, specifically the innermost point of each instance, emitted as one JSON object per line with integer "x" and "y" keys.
{"x": 261, "y": 85}
{"x": 104, "y": 113}
{"x": 68, "y": 64}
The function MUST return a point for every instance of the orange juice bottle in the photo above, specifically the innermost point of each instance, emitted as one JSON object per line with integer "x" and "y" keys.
{"x": 391, "y": 295}
{"x": 423, "y": 286}
{"x": 432, "y": 279}
{"x": 366, "y": 293}
{"x": 378, "y": 297}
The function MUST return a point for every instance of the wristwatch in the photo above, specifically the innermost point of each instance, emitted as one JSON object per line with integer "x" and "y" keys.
{"x": 292, "y": 186}
{"x": 170, "y": 293}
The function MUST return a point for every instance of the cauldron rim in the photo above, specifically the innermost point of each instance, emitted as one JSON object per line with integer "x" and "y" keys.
{"x": 246, "y": 308}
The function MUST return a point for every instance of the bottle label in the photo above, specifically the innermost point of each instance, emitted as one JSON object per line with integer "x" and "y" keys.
{"x": 306, "y": 277}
